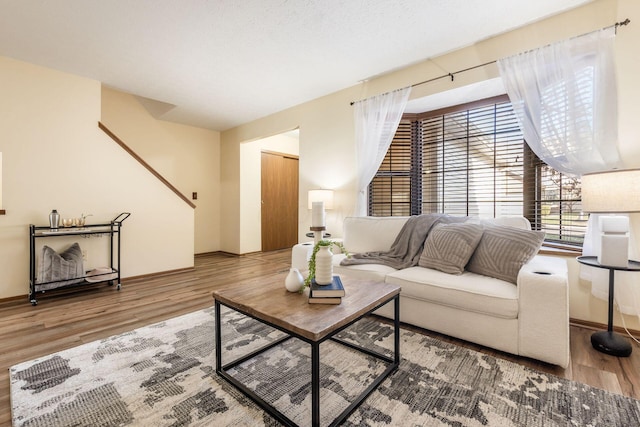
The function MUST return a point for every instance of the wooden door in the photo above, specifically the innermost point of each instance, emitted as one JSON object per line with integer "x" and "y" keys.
{"x": 279, "y": 201}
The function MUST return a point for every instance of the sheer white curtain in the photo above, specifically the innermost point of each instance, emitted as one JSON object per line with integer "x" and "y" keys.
{"x": 376, "y": 121}
{"x": 565, "y": 98}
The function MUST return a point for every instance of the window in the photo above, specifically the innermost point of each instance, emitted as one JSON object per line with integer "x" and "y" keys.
{"x": 556, "y": 206}
{"x": 391, "y": 192}
{"x": 472, "y": 160}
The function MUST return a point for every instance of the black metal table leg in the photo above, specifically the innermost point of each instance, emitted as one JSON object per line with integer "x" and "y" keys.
{"x": 608, "y": 341}
{"x": 218, "y": 339}
{"x": 315, "y": 384}
{"x": 394, "y": 363}
{"x": 396, "y": 330}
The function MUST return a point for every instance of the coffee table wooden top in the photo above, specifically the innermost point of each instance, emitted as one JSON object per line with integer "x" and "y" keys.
{"x": 268, "y": 300}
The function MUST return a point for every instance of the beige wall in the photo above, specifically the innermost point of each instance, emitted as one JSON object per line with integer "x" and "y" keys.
{"x": 0, "y": 180}
{"x": 327, "y": 155}
{"x": 327, "y": 158}
{"x": 188, "y": 157}
{"x": 55, "y": 157}
{"x": 230, "y": 214}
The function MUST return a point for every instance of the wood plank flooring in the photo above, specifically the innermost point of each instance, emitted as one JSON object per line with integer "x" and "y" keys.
{"x": 59, "y": 322}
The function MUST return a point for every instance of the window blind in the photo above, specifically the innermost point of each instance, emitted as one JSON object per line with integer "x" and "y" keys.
{"x": 390, "y": 191}
{"x": 472, "y": 161}
{"x": 557, "y": 207}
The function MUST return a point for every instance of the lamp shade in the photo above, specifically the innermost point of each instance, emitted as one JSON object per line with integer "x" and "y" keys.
{"x": 615, "y": 191}
{"x": 325, "y": 196}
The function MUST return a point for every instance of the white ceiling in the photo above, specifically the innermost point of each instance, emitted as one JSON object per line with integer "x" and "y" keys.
{"x": 220, "y": 63}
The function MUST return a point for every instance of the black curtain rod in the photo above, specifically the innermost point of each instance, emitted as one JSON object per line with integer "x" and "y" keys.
{"x": 452, "y": 75}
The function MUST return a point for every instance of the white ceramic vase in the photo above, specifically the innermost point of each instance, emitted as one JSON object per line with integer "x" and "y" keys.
{"x": 294, "y": 280}
{"x": 324, "y": 265}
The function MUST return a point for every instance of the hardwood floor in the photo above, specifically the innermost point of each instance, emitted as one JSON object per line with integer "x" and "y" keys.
{"x": 63, "y": 321}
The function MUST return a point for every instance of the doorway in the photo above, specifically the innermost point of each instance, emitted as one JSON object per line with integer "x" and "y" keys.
{"x": 279, "y": 200}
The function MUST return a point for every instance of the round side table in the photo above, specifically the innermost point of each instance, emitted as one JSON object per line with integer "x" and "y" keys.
{"x": 608, "y": 341}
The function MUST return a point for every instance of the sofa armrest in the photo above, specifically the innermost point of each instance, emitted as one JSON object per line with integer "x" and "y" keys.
{"x": 543, "y": 311}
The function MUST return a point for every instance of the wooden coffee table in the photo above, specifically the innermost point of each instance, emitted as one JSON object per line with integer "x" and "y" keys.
{"x": 269, "y": 302}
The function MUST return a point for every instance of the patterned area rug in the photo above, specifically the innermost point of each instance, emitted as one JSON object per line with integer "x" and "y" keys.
{"x": 164, "y": 375}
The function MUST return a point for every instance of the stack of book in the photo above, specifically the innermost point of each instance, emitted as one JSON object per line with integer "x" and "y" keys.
{"x": 326, "y": 294}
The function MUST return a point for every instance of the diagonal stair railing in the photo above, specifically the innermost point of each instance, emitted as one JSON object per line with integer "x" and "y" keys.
{"x": 145, "y": 164}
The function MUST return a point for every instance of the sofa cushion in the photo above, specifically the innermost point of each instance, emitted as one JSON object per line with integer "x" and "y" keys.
{"x": 503, "y": 250}
{"x": 371, "y": 234}
{"x": 361, "y": 271}
{"x": 467, "y": 291}
{"x": 449, "y": 247}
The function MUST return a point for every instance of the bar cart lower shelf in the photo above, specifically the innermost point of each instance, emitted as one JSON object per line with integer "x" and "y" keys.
{"x": 109, "y": 275}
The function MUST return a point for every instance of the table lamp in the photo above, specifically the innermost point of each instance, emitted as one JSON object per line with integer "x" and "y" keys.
{"x": 318, "y": 201}
{"x": 613, "y": 192}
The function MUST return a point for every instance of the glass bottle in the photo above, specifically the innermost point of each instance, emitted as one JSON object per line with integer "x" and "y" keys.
{"x": 54, "y": 219}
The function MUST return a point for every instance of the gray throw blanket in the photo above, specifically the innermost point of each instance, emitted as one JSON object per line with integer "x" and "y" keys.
{"x": 407, "y": 248}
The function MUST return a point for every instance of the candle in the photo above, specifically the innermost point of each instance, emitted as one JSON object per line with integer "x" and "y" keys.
{"x": 317, "y": 214}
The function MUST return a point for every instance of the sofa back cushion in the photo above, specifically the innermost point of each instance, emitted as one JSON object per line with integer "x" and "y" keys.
{"x": 368, "y": 233}
{"x": 373, "y": 233}
{"x": 449, "y": 246}
{"x": 516, "y": 221}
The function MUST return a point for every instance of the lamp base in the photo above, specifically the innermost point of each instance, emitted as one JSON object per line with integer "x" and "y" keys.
{"x": 614, "y": 250}
{"x": 611, "y": 343}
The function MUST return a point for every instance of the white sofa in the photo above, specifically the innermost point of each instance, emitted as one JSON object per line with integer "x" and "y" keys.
{"x": 530, "y": 318}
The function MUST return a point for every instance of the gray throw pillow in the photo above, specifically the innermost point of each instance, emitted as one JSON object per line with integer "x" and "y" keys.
{"x": 449, "y": 246}
{"x": 503, "y": 250}
{"x": 59, "y": 267}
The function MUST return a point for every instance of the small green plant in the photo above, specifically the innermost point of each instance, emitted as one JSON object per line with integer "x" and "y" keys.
{"x": 312, "y": 260}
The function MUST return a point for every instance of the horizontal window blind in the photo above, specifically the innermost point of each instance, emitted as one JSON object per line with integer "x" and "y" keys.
{"x": 474, "y": 162}
{"x": 557, "y": 207}
{"x": 390, "y": 190}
